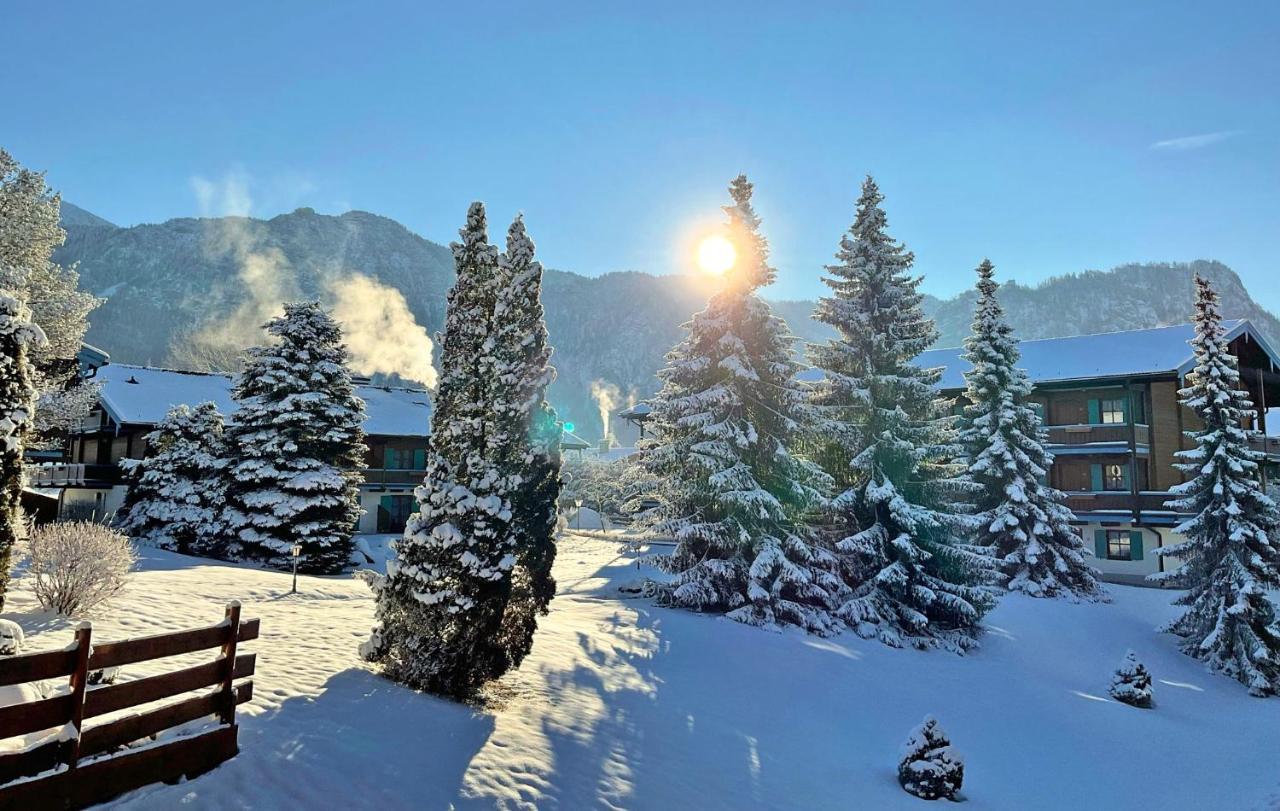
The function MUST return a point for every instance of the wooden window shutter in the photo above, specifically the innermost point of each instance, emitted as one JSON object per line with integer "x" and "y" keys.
{"x": 1095, "y": 412}
{"x": 1135, "y": 544}
{"x": 1095, "y": 478}
{"x": 1100, "y": 544}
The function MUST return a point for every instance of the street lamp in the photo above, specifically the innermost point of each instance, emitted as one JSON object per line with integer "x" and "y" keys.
{"x": 577, "y": 506}
{"x": 297, "y": 553}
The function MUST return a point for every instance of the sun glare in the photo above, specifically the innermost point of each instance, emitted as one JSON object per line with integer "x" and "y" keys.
{"x": 716, "y": 255}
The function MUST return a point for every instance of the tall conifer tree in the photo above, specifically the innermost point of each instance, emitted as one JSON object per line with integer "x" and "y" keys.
{"x": 1019, "y": 514}
{"x": 18, "y": 336}
{"x": 914, "y": 579}
{"x": 726, "y": 421}
{"x": 440, "y": 607}
{"x": 527, "y": 442}
{"x": 296, "y": 446}
{"x": 1231, "y": 555}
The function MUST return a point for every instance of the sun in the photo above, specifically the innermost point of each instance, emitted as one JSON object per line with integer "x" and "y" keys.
{"x": 716, "y": 255}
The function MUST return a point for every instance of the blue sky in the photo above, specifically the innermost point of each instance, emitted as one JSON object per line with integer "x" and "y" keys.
{"x": 1051, "y": 140}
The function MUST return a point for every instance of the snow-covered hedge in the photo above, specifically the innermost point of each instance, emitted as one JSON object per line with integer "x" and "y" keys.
{"x": 78, "y": 565}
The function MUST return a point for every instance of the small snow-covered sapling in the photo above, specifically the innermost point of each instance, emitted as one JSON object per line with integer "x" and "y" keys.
{"x": 1131, "y": 683}
{"x": 930, "y": 768}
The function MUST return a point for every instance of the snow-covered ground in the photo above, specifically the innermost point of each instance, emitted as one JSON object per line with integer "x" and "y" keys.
{"x": 625, "y": 705}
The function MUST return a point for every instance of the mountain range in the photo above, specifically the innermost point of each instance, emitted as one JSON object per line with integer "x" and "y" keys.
{"x": 162, "y": 283}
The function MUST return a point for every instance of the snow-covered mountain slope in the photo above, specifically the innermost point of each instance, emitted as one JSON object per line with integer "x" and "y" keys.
{"x": 164, "y": 280}
{"x": 625, "y": 705}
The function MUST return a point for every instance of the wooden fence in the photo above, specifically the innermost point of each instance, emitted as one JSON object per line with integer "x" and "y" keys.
{"x": 87, "y": 764}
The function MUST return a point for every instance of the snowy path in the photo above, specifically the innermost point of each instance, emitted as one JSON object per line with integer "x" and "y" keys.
{"x": 624, "y": 705}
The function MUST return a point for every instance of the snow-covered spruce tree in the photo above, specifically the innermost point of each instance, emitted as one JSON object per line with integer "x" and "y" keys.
{"x": 903, "y": 549}
{"x": 29, "y": 234}
{"x": 930, "y": 768}
{"x": 295, "y": 447}
{"x": 441, "y": 605}
{"x": 526, "y": 442}
{"x": 1131, "y": 683}
{"x": 18, "y": 336}
{"x": 175, "y": 494}
{"x": 725, "y": 422}
{"x": 1232, "y": 553}
{"x": 1019, "y": 515}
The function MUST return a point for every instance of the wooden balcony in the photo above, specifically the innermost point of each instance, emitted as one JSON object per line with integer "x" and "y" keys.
{"x": 388, "y": 476}
{"x": 62, "y": 474}
{"x": 1117, "y": 501}
{"x": 1092, "y": 434}
{"x": 1270, "y": 445}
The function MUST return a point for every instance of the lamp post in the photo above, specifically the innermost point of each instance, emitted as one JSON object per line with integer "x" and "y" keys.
{"x": 577, "y": 506}
{"x": 297, "y": 553}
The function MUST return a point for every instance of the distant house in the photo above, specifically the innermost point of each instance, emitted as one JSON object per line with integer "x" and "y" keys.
{"x": 134, "y": 399}
{"x": 1110, "y": 405}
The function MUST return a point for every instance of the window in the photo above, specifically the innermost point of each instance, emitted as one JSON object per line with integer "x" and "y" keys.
{"x": 1114, "y": 477}
{"x": 404, "y": 459}
{"x": 394, "y": 512}
{"x": 1112, "y": 411}
{"x": 1118, "y": 545}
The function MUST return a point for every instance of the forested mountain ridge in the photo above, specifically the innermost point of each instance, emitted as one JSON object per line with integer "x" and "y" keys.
{"x": 163, "y": 281}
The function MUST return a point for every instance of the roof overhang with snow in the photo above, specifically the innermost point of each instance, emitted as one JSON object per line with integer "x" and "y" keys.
{"x": 142, "y": 395}
{"x": 1109, "y": 356}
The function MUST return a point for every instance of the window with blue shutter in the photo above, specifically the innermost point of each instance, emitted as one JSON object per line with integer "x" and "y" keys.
{"x": 1100, "y": 544}
{"x": 1135, "y": 544}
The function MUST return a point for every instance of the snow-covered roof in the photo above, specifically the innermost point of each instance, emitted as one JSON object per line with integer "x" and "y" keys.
{"x": 571, "y": 441}
{"x": 639, "y": 410}
{"x": 1132, "y": 353}
{"x": 143, "y": 395}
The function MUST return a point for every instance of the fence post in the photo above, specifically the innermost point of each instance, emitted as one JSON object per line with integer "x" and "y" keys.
{"x": 79, "y": 681}
{"x": 229, "y": 658}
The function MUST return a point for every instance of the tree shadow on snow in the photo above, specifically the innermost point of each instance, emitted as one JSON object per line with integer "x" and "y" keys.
{"x": 362, "y": 742}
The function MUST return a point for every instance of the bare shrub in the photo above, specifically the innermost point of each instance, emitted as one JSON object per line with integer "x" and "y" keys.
{"x": 78, "y": 565}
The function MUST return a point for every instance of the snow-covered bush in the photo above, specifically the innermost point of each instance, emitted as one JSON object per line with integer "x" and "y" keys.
{"x": 1131, "y": 683}
{"x": 930, "y": 768}
{"x": 11, "y": 638}
{"x": 78, "y": 565}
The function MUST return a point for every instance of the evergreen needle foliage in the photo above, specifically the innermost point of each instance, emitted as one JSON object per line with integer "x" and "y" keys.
{"x": 727, "y": 421}
{"x": 296, "y": 447}
{"x": 913, "y": 578}
{"x": 1019, "y": 514}
{"x": 1230, "y": 557}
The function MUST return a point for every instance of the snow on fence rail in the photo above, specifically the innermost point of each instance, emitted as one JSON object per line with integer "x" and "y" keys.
{"x": 82, "y": 765}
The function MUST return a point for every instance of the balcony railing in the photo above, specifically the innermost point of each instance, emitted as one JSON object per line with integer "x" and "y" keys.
{"x": 60, "y": 474}
{"x": 1090, "y": 434}
{"x": 1117, "y": 501}
{"x": 1270, "y": 445}
{"x": 378, "y": 475}
{"x": 64, "y": 474}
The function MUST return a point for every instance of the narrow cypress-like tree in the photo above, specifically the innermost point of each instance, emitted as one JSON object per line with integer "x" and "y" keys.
{"x": 296, "y": 446}
{"x": 726, "y": 421}
{"x": 527, "y": 442}
{"x": 440, "y": 607}
{"x": 176, "y": 493}
{"x": 1019, "y": 515}
{"x": 904, "y": 553}
{"x": 18, "y": 335}
{"x": 1230, "y": 557}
